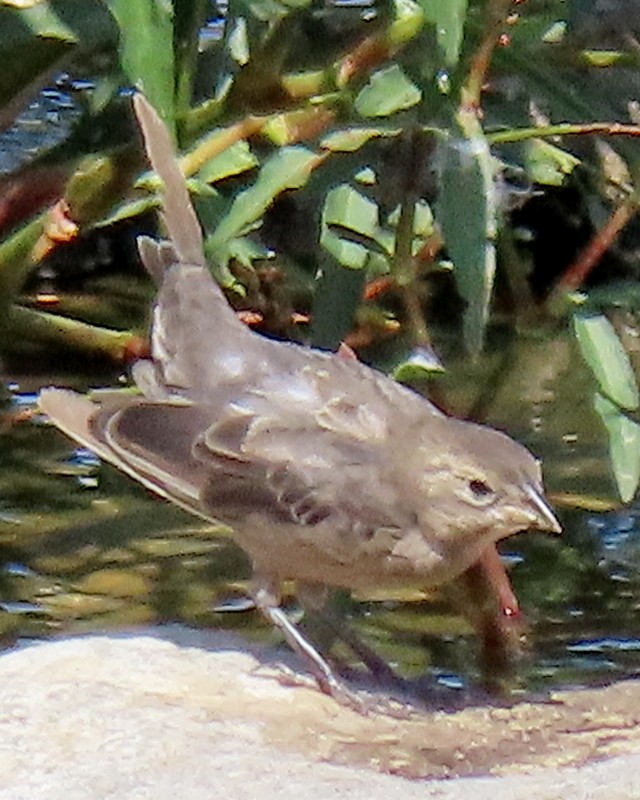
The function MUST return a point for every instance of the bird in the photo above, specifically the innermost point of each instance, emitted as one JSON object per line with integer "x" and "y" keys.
{"x": 329, "y": 472}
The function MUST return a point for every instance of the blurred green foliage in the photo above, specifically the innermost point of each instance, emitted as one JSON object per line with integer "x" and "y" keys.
{"x": 362, "y": 155}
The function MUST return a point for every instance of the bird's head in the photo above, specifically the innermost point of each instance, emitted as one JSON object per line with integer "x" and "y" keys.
{"x": 478, "y": 484}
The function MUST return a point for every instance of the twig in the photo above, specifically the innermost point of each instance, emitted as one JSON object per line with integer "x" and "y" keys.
{"x": 497, "y": 13}
{"x": 563, "y": 129}
{"x": 578, "y": 272}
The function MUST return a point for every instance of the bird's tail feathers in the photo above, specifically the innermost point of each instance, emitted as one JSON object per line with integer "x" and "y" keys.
{"x": 157, "y": 256}
{"x": 179, "y": 215}
{"x": 194, "y": 332}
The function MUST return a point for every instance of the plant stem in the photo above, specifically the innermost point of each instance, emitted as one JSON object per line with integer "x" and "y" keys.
{"x": 496, "y": 14}
{"x": 404, "y": 265}
{"x": 26, "y": 324}
{"x": 576, "y": 274}
{"x": 563, "y": 129}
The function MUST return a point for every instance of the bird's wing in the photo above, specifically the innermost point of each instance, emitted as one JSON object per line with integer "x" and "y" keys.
{"x": 226, "y": 464}
{"x": 304, "y": 460}
{"x": 158, "y": 455}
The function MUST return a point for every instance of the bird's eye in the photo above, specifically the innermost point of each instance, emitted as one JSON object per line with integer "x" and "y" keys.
{"x": 480, "y": 490}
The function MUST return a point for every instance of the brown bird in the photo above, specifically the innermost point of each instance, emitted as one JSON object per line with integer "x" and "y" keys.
{"x": 329, "y": 472}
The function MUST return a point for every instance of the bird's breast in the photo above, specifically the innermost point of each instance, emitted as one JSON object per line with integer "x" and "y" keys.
{"x": 357, "y": 559}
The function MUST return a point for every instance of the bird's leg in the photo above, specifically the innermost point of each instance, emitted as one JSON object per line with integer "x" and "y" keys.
{"x": 267, "y": 600}
{"x": 314, "y": 599}
{"x": 376, "y": 665}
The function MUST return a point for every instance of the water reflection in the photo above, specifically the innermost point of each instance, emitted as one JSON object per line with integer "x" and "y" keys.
{"x": 45, "y": 122}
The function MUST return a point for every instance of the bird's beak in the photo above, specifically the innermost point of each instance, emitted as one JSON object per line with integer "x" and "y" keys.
{"x": 545, "y": 519}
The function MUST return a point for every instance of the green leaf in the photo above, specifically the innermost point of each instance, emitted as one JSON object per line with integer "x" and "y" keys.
{"x": 335, "y": 299}
{"x": 624, "y": 446}
{"x": 197, "y": 187}
{"x": 84, "y": 22}
{"x": 555, "y": 34}
{"x": 38, "y": 20}
{"x": 467, "y": 213}
{"x": 352, "y": 139}
{"x": 422, "y": 220}
{"x": 128, "y": 211}
{"x": 366, "y": 176}
{"x": 289, "y": 168}
{"x": 374, "y": 246}
{"x": 346, "y": 208}
{"x": 547, "y": 164}
{"x": 235, "y": 160}
{"x": 16, "y": 261}
{"x": 448, "y": 17}
{"x": 246, "y": 251}
{"x": 238, "y": 41}
{"x": 603, "y": 351}
{"x": 602, "y": 58}
{"x": 408, "y": 19}
{"x": 421, "y": 363}
{"x": 387, "y": 92}
{"x": 623, "y": 294}
{"x": 146, "y": 51}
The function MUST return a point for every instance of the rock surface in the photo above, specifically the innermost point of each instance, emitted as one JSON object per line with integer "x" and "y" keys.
{"x": 199, "y": 714}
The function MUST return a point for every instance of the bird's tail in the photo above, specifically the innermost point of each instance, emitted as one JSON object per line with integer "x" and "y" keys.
{"x": 179, "y": 216}
{"x": 197, "y": 341}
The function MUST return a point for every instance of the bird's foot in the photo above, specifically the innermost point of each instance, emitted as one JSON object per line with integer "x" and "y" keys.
{"x": 362, "y": 703}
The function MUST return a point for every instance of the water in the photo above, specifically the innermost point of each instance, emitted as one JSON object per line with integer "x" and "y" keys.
{"x": 43, "y": 123}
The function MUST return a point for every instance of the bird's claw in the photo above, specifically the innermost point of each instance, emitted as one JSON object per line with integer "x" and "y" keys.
{"x": 362, "y": 703}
